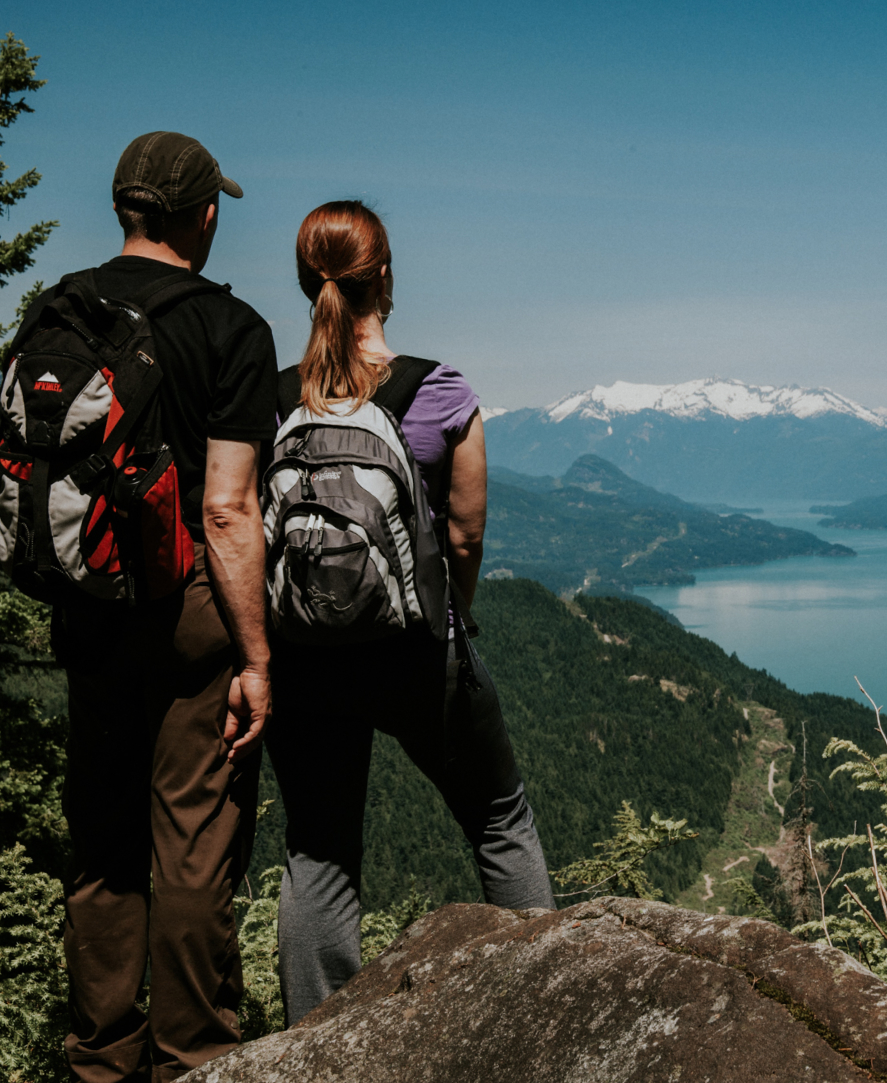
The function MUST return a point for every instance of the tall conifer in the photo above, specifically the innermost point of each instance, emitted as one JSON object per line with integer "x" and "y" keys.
{"x": 17, "y": 70}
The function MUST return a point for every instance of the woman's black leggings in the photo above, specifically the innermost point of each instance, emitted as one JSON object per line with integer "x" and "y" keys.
{"x": 327, "y": 703}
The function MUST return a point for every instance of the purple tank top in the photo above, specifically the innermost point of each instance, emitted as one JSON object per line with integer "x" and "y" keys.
{"x": 440, "y": 411}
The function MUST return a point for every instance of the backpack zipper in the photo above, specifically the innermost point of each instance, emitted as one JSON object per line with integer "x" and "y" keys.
{"x": 308, "y": 492}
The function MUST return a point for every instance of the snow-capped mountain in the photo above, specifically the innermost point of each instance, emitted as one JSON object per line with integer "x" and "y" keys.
{"x": 708, "y": 440}
{"x": 706, "y": 398}
{"x": 703, "y": 398}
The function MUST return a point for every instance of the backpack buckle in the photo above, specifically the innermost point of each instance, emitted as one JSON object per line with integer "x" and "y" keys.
{"x": 89, "y": 473}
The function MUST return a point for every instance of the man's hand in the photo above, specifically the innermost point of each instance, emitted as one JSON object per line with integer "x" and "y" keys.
{"x": 249, "y": 706}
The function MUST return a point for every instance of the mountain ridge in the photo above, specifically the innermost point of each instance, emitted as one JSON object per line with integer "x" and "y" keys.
{"x": 867, "y": 514}
{"x": 596, "y": 527}
{"x": 707, "y": 441}
{"x": 698, "y": 399}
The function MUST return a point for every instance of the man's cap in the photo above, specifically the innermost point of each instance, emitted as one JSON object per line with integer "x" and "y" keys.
{"x": 177, "y": 170}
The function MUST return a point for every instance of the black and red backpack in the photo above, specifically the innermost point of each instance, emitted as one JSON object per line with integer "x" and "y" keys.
{"x": 89, "y": 494}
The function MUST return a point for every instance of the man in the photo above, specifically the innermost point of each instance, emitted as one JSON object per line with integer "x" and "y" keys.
{"x": 167, "y": 701}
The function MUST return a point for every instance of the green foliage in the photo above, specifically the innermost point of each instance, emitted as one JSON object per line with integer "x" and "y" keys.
{"x": 17, "y": 70}
{"x": 860, "y": 926}
{"x": 379, "y": 927}
{"x": 32, "y": 754}
{"x": 24, "y": 625}
{"x": 867, "y": 771}
{"x": 33, "y": 984}
{"x": 746, "y": 900}
{"x": 852, "y": 931}
{"x": 768, "y": 885}
{"x": 261, "y": 1010}
{"x": 270, "y": 842}
{"x": 619, "y": 868}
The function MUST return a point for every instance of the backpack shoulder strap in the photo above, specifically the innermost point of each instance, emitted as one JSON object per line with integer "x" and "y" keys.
{"x": 399, "y": 390}
{"x": 83, "y": 285}
{"x": 33, "y": 313}
{"x": 396, "y": 394}
{"x": 289, "y": 391}
{"x": 170, "y": 290}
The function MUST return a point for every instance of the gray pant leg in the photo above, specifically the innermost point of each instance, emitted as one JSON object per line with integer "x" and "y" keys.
{"x": 481, "y": 784}
{"x": 321, "y": 755}
{"x": 318, "y": 932}
{"x": 509, "y": 855}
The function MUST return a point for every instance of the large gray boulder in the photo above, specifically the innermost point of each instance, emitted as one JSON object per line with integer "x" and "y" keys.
{"x": 610, "y": 991}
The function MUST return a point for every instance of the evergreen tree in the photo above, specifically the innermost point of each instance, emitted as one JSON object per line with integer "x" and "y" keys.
{"x": 17, "y": 70}
{"x": 31, "y": 744}
{"x": 33, "y": 982}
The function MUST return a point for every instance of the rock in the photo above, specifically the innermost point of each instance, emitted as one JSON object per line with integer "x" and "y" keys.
{"x": 609, "y": 991}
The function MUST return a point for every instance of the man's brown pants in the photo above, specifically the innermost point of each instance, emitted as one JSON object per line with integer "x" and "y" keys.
{"x": 162, "y": 828}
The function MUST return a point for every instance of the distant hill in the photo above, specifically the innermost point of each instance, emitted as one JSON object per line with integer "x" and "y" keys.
{"x": 867, "y": 514}
{"x": 596, "y": 527}
{"x": 710, "y": 441}
{"x": 606, "y": 701}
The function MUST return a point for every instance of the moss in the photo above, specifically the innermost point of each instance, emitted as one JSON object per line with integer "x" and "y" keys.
{"x": 815, "y": 1025}
{"x": 800, "y": 1012}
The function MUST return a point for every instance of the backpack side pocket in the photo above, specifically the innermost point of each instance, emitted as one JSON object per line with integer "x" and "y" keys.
{"x": 332, "y": 585}
{"x": 15, "y": 478}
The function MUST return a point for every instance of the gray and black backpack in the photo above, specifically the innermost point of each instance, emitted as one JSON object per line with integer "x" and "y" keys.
{"x": 89, "y": 493}
{"x": 353, "y": 551}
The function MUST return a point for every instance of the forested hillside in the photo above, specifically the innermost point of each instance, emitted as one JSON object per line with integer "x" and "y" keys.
{"x": 595, "y": 526}
{"x": 605, "y": 701}
{"x": 867, "y": 514}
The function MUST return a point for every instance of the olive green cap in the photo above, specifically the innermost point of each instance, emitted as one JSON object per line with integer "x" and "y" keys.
{"x": 174, "y": 168}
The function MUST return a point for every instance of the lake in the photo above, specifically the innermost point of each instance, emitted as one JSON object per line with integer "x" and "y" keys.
{"x": 813, "y": 622}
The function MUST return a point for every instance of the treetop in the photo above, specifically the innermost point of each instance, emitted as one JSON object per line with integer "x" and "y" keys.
{"x": 16, "y": 76}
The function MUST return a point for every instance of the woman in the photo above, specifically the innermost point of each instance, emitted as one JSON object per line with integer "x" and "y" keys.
{"x": 327, "y": 702}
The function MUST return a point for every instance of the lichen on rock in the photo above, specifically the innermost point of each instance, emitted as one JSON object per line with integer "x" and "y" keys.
{"x": 610, "y": 991}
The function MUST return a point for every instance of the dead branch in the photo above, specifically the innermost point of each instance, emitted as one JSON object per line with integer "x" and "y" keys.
{"x": 882, "y": 894}
{"x": 876, "y": 708}
{"x": 865, "y": 910}
{"x": 585, "y": 890}
{"x": 821, "y": 892}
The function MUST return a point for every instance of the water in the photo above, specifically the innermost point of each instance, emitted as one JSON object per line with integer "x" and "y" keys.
{"x": 813, "y": 622}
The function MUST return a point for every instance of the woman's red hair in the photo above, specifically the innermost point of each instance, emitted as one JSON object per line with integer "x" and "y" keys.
{"x": 340, "y": 252}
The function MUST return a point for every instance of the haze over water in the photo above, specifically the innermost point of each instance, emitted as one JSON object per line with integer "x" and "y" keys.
{"x": 813, "y": 622}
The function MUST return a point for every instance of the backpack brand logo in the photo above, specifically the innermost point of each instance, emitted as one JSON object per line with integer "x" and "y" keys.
{"x": 47, "y": 382}
{"x": 326, "y": 475}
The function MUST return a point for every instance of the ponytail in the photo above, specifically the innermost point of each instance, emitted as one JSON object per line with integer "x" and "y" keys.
{"x": 340, "y": 252}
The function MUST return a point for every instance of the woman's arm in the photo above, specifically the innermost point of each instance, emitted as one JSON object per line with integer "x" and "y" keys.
{"x": 468, "y": 505}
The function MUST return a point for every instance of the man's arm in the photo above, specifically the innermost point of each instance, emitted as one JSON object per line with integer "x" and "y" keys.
{"x": 235, "y": 552}
{"x": 468, "y": 506}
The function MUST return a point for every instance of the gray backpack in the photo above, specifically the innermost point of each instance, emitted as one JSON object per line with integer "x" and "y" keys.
{"x": 353, "y": 554}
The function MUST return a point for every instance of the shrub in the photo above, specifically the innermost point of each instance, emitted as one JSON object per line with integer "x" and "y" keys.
{"x": 33, "y": 983}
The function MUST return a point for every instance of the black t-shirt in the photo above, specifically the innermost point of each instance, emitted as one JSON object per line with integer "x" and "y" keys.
{"x": 218, "y": 363}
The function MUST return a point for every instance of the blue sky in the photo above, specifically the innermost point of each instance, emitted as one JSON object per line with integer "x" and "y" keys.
{"x": 576, "y": 193}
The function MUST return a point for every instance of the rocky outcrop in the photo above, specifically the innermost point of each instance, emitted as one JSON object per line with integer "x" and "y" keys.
{"x": 610, "y": 991}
